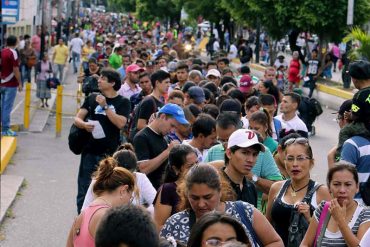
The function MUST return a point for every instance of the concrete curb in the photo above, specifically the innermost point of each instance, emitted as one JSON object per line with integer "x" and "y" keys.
{"x": 8, "y": 147}
{"x": 319, "y": 86}
{"x": 10, "y": 186}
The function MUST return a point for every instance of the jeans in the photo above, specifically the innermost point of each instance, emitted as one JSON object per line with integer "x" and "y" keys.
{"x": 311, "y": 85}
{"x": 89, "y": 163}
{"x": 7, "y": 100}
{"x": 26, "y": 73}
{"x": 76, "y": 61}
{"x": 59, "y": 68}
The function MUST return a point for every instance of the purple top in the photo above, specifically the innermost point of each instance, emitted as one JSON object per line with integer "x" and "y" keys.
{"x": 169, "y": 196}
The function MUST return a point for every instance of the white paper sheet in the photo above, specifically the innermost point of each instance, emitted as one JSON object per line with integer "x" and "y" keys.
{"x": 98, "y": 132}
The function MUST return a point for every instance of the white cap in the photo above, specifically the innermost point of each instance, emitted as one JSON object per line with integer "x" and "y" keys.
{"x": 214, "y": 72}
{"x": 244, "y": 138}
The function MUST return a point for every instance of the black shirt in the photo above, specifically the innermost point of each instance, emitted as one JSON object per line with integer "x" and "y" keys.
{"x": 247, "y": 194}
{"x": 149, "y": 105}
{"x": 149, "y": 145}
{"x": 107, "y": 145}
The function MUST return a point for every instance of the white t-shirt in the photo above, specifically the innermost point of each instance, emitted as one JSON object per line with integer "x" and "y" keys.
{"x": 295, "y": 123}
{"x": 146, "y": 192}
{"x": 76, "y": 44}
{"x": 233, "y": 52}
{"x": 216, "y": 46}
{"x": 277, "y": 64}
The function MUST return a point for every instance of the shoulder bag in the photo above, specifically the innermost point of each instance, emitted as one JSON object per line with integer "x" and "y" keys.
{"x": 323, "y": 223}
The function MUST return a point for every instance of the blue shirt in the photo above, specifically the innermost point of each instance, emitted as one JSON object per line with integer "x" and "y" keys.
{"x": 122, "y": 72}
{"x": 356, "y": 150}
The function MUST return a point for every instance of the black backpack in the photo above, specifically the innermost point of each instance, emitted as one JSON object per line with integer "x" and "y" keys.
{"x": 316, "y": 107}
{"x": 298, "y": 223}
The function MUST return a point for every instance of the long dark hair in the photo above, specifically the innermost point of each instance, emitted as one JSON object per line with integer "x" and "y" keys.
{"x": 209, "y": 219}
{"x": 176, "y": 158}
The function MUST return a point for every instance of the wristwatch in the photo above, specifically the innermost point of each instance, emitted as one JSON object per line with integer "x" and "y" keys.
{"x": 255, "y": 178}
{"x": 105, "y": 107}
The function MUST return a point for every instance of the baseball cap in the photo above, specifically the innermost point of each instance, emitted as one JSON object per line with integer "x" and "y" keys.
{"x": 134, "y": 68}
{"x": 197, "y": 94}
{"x": 175, "y": 111}
{"x": 345, "y": 106}
{"x": 99, "y": 44}
{"x": 231, "y": 105}
{"x": 214, "y": 72}
{"x": 361, "y": 105}
{"x": 172, "y": 66}
{"x": 245, "y": 83}
{"x": 244, "y": 138}
{"x": 360, "y": 70}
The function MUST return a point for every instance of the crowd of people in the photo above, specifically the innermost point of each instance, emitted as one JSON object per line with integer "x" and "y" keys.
{"x": 206, "y": 155}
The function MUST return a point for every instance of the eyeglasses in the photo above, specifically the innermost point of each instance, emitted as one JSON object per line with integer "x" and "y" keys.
{"x": 217, "y": 243}
{"x": 299, "y": 159}
{"x": 299, "y": 140}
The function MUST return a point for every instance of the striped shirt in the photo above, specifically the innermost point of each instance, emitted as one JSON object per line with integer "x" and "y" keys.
{"x": 356, "y": 150}
{"x": 335, "y": 239}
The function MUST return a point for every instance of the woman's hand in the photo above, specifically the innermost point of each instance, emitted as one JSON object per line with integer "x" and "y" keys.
{"x": 336, "y": 211}
{"x": 304, "y": 209}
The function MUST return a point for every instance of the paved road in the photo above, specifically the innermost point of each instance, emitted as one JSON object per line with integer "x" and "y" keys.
{"x": 44, "y": 212}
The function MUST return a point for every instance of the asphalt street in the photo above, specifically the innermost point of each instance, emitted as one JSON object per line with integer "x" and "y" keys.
{"x": 44, "y": 210}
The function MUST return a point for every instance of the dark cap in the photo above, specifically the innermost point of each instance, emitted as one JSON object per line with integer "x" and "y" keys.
{"x": 360, "y": 70}
{"x": 344, "y": 107}
{"x": 361, "y": 105}
{"x": 231, "y": 105}
{"x": 197, "y": 94}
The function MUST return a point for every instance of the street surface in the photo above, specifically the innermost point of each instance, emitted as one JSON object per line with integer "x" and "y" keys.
{"x": 43, "y": 212}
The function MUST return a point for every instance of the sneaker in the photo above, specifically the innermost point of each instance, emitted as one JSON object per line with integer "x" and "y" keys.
{"x": 9, "y": 132}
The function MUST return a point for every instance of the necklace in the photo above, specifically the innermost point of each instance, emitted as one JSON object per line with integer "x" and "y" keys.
{"x": 106, "y": 202}
{"x": 294, "y": 192}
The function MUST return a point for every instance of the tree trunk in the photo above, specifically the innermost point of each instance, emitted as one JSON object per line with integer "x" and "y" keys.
{"x": 220, "y": 35}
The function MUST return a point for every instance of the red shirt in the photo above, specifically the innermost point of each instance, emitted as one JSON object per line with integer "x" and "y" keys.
{"x": 9, "y": 59}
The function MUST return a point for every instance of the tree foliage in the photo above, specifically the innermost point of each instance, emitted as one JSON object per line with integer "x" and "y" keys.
{"x": 122, "y": 5}
{"x": 363, "y": 51}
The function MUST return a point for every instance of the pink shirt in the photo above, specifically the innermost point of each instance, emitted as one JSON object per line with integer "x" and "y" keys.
{"x": 336, "y": 51}
{"x": 36, "y": 43}
{"x": 84, "y": 238}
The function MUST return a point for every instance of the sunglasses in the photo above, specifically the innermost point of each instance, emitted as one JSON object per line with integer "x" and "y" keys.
{"x": 299, "y": 140}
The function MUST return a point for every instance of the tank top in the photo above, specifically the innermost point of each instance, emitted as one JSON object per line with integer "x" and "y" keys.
{"x": 84, "y": 238}
{"x": 281, "y": 211}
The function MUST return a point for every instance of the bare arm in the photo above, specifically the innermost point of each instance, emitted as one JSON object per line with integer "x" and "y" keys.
{"x": 309, "y": 238}
{"x": 264, "y": 185}
{"x": 261, "y": 227}
{"x": 141, "y": 123}
{"x": 271, "y": 197}
{"x": 80, "y": 122}
{"x": 161, "y": 212}
{"x": 118, "y": 120}
{"x": 331, "y": 157}
{"x": 151, "y": 165}
{"x": 17, "y": 75}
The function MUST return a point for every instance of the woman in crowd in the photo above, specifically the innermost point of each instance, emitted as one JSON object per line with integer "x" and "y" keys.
{"x": 349, "y": 220}
{"x": 113, "y": 187}
{"x": 89, "y": 77}
{"x": 260, "y": 122}
{"x": 28, "y": 60}
{"x": 286, "y": 196}
{"x": 43, "y": 71}
{"x": 180, "y": 159}
{"x": 279, "y": 155}
{"x": 251, "y": 105}
{"x": 328, "y": 65}
{"x": 216, "y": 229}
{"x": 126, "y": 158}
{"x": 201, "y": 192}
{"x": 268, "y": 87}
{"x": 87, "y": 51}
{"x": 294, "y": 76}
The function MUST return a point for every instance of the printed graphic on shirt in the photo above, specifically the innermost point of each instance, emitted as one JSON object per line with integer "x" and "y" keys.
{"x": 100, "y": 110}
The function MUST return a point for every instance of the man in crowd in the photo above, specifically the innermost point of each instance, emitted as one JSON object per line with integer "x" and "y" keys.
{"x": 289, "y": 117}
{"x": 182, "y": 73}
{"x": 110, "y": 111}
{"x": 130, "y": 86}
{"x": 75, "y": 49}
{"x": 10, "y": 81}
{"x": 60, "y": 57}
{"x": 195, "y": 95}
{"x": 146, "y": 89}
{"x": 115, "y": 59}
{"x": 150, "y": 144}
{"x": 204, "y": 135}
{"x": 126, "y": 61}
{"x": 215, "y": 76}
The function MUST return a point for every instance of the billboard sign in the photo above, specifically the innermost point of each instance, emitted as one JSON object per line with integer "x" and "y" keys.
{"x": 9, "y": 11}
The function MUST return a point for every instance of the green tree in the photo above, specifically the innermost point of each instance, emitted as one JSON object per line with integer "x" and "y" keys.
{"x": 151, "y": 10}
{"x": 122, "y": 5}
{"x": 358, "y": 36}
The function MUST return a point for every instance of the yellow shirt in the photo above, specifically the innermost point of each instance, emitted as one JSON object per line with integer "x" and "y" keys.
{"x": 61, "y": 54}
{"x": 86, "y": 52}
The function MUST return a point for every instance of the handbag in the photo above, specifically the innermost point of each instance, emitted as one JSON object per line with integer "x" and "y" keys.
{"x": 298, "y": 223}
{"x": 323, "y": 223}
{"x": 239, "y": 207}
{"x": 52, "y": 82}
{"x": 79, "y": 138}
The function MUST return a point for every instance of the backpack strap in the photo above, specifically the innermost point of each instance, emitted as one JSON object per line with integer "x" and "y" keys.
{"x": 239, "y": 207}
{"x": 284, "y": 188}
{"x": 310, "y": 191}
